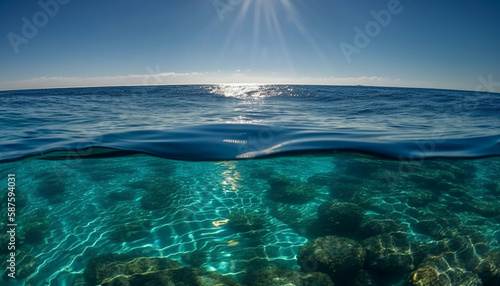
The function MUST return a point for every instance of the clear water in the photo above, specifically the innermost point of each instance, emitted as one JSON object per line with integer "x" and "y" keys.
{"x": 158, "y": 172}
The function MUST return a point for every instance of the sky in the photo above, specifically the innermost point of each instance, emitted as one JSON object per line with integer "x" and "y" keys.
{"x": 409, "y": 43}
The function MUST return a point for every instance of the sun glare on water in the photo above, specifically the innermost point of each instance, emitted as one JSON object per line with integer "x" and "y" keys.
{"x": 240, "y": 91}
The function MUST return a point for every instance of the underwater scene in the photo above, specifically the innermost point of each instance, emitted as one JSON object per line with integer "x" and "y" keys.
{"x": 264, "y": 185}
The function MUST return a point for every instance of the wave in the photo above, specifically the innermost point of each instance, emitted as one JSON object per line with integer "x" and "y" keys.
{"x": 249, "y": 141}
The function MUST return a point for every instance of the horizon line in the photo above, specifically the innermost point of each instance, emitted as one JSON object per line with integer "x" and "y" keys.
{"x": 242, "y": 84}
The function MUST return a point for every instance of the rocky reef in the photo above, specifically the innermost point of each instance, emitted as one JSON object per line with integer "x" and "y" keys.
{"x": 274, "y": 276}
{"x": 243, "y": 222}
{"x": 116, "y": 269}
{"x": 403, "y": 223}
{"x": 339, "y": 257}
{"x": 340, "y": 216}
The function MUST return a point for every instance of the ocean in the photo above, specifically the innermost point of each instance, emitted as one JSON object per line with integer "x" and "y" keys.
{"x": 250, "y": 185}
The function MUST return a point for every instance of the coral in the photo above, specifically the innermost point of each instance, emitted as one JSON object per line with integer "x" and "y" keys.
{"x": 25, "y": 265}
{"x": 195, "y": 258}
{"x": 343, "y": 216}
{"x": 375, "y": 226}
{"x": 438, "y": 222}
{"x": 365, "y": 278}
{"x": 420, "y": 198}
{"x": 79, "y": 280}
{"x": 338, "y": 257}
{"x": 108, "y": 266}
{"x": 169, "y": 277}
{"x": 243, "y": 222}
{"x": 467, "y": 246}
{"x": 489, "y": 269}
{"x": 427, "y": 276}
{"x": 274, "y": 276}
{"x": 127, "y": 269}
{"x": 389, "y": 253}
{"x": 442, "y": 270}
{"x": 35, "y": 232}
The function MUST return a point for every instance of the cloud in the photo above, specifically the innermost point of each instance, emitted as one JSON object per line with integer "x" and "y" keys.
{"x": 120, "y": 80}
{"x": 172, "y": 78}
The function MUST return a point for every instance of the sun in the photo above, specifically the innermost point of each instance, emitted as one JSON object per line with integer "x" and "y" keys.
{"x": 269, "y": 19}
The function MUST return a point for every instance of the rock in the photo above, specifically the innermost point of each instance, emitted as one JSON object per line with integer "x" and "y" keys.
{"x": 243, "y": 222}
{"x": 489, "y": 269}
{"x": 428, "y": 276}
{"x": 467, "y": 249}
{"x": 365, "y": 278}
{"x": 179, "y": 277}
{"x": 459, "y": 193}
{"x": 343, "y": 216}
{"x": 290, "y": 191}
{"x": 419, "y": 251}
{"x": 486, "y": 209}
{"x": 79, "y": 280}
{"x": 339, "y": 257}
{"x": 442, "y": 270}
{"x": 195, "y": 258}
{"x": 436, "y": 227}
{"x": 389, "y": 253}
{"x": 25, "y": 265}
{"x": 274, "y": 276}
{"x": 35, "y": 232}
{"x": 254, "y": 258}
{"x": 492, "y": 187}
{"x": 420, "y": 198}
{"x": 107, "y": 266}
{"x": 438, "y": 223}
{"x": 372, "y": 227}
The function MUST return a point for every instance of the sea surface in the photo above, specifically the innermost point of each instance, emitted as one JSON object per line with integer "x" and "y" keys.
{"x": 251, "y": 184}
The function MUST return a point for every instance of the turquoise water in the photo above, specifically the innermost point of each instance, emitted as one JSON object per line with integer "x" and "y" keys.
{"x": 93, "y": 200}
{"x": 251, "y": 185}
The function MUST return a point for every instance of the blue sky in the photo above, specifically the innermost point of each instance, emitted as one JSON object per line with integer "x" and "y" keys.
{"x": 414, "y": 43}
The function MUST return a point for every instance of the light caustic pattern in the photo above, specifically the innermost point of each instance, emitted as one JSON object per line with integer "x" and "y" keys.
{"x": 82, "y": 225}
{"x": 164, "y": 208}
